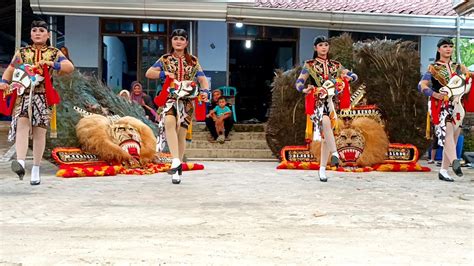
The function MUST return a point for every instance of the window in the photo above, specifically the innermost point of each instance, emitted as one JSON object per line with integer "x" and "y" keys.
{"x": 153, "y": 27}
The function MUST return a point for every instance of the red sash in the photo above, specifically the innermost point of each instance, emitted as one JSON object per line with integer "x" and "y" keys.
{"x": 52, "y": 96}
{"x": 7, "y": 103}
{"x": 345, "y": 97}
{"x": 160, "y": 100}
{"x": 310, "y": 99}
{"x": 469, "y": 99}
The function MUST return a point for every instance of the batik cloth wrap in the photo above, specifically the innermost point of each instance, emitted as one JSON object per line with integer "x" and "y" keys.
{"x": 439, "y": 75}
{"x": 41, "y": 112}
{"x": 181, "y": 108}
{"x": 321, "y": 70}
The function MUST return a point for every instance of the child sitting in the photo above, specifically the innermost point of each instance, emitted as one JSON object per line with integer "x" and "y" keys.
{"x": 218, "y": 114}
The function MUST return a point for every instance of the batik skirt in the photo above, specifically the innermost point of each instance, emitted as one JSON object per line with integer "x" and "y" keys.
{"x": 40, "y": 112}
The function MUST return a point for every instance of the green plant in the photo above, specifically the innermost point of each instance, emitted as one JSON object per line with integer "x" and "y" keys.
{"x": 468, "y": 142}
{"x": 467, "y": 51}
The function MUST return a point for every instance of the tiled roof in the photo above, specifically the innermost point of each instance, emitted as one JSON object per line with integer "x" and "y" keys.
{"x": 413, "y": 7}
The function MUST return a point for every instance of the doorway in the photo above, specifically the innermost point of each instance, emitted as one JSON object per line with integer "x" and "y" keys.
{"x": 252, "y": 66}
{"x": 119, "y": 61}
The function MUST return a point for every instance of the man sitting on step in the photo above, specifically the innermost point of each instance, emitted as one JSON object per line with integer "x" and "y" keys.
{"x": 228, "y": 120}
{"x": 218, "y": 114}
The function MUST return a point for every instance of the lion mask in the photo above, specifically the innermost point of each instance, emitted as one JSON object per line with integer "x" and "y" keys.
{"x": 126, "y": 140}
{"x": 362, "y": 143}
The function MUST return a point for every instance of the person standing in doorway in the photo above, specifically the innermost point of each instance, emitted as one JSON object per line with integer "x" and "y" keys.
{"x": 433, "y": 84}
{"x": 31, "y": 109}
{"x": 321, "y": 70}
{"x": 180, "y": 66}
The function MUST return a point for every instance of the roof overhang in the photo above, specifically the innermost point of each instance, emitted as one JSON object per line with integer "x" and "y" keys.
{"x": 351, "y": 21}
{"x": 246, "y": 12}
{"x": 464, "y": 7}
{"x": 150, "y": 9}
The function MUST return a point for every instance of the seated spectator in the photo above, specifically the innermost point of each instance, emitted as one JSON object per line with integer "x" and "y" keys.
{"x": 143, "y": 99}
{"x": 125, "y": 94}
{"x": 217, "y": 114}
{"x": 228, "y": 120}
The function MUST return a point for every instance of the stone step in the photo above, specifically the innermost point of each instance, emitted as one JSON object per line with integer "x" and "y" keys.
{"x": 202, "y": 154}
{"x": 200, "y": 126}
{"x": 203, "y": 135}
{"x": 232, "y": 144}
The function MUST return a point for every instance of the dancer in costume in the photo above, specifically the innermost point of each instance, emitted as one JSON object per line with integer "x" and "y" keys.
{"x": 32, "y": 108}
{"x": 326, "y": 79}
{"x": 180, "y": 66}
{"x": 446, "y": 110}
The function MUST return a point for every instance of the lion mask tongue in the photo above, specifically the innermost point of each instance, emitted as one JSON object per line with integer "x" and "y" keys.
{"x": 132, "y": 148}
{"x": 349, "y": 154}
{"x": 133, "y": 151}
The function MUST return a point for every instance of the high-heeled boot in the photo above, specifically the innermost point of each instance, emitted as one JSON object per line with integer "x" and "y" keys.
{"x": 322, "y": 174}
{"x": 175, "y": 171}
{"x": 456, "y": 165}
{"x": 35, "y": 175}
{"x": 335, "y": 159}
{"x": 18, "y": 166}
{"x": 176, "y": 178}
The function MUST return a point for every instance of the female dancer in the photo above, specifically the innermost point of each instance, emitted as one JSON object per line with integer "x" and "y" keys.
{"x": 180, "y": 66}
{"x": 321, "y": 69}
{"x": 442, "y": 108}
{"x": 37, "y": 54}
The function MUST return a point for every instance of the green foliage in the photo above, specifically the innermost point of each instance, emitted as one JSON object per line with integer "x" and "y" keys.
{"x": 467, "y": 51}
{"x": 468, "y": 142}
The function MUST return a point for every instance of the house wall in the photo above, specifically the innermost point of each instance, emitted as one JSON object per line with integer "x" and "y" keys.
{"x": 82, "y": 41}
{"x": 306, "y": 42}
{"x": 116, "y": 61}
{"x": 427, "y": 51}
{"x": 82, "y": 34}
{"x": 212, "y": 51}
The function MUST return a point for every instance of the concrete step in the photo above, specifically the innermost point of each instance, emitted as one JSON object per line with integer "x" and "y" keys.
{"x": 201, "y": 154}
{"x": 200, "y": 126}
{"x": 203, "y": 135}
{"x": 232, "y": 144}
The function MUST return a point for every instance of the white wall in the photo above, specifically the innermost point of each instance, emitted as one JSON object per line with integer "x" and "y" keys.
{"x": 81, "y": 39}
{"x": 427, "y": 51}
{"x": 212, "y": 32}
{"x": 306, "y": 42}
{"x": 116, "y": 61}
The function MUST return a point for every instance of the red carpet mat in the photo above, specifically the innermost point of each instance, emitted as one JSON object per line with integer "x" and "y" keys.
{"x": 386, "y": 167}
{"x": 68, "y": 171}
